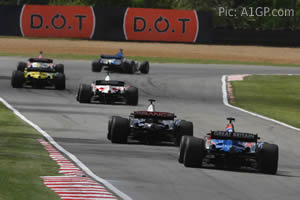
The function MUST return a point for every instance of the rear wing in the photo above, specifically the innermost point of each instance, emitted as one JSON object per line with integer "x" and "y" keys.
{"x": 110, "y": 56}
{"x": 154, "y": 115}
{"x": 241, "y": 136}
{"x": 110, "y": 83}
{"x": 40, "y": 60}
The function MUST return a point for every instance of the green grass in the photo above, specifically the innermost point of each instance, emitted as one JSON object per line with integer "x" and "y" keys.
{"x": 22, "y": 161}
{"x": 276, "y": 97}
{"x": 155, "y": 59}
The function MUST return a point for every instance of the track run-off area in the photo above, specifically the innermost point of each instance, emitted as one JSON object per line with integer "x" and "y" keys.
{"x": 193, "y": 92}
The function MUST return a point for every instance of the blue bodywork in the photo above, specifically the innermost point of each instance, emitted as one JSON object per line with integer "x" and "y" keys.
{"x": 235, "y": 146}
{"x": 112, "y": 59}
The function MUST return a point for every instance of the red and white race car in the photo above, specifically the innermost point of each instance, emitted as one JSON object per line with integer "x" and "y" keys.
{"x": 108, "y": 91}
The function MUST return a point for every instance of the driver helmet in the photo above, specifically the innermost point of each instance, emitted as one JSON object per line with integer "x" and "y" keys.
{"x": 36, "y": 64}
{"x": 107, "y": 78}
{"x": 151, "y": 108}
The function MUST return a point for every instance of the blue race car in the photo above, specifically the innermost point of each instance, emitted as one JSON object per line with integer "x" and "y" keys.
{"x": 229, "y": 149}
{"x": 118, "y": 63}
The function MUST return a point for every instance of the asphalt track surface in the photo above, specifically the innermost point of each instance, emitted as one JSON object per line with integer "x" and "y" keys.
{"x": 144, "y": 172}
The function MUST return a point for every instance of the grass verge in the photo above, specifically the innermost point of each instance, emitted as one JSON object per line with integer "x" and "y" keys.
{"x": 276, "y": 97}
{"x": 155, "y": 59}
{"x": 22, "y": 161}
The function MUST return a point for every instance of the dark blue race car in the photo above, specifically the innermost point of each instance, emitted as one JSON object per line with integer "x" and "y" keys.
{"x": 229, "y": 149}
{"x": 149, "y": 127}
{"x": 118, "y": 63}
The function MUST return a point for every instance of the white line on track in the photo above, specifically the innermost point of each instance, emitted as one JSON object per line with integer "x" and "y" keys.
{"x": 225, "y": 101}
{"x": 68, "y": 154}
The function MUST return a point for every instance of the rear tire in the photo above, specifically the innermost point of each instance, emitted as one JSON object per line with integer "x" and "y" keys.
{"x": 59, "y": 68}
{"x": 131, "y": 68}
{"x": 17, "y": 79}
{"x": 194, "y": 152}
{"x": 84, "y": 94}
{"x": 96, "y": 66}
{"x": 109, "y": 128}
{"x": 268, "y": 158}
{"x": 119, "y": 130}
{"x": 145, "y": 67}
{"x": 132, "y": 96}
{"x": 125, "y": 67}
{"x": 60, "y": 81}
{"x": 21, "y": 66}
{"x": 182, "y": 148}
{"x": 184, "y": 128}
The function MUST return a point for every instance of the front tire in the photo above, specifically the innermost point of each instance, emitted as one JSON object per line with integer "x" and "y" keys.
{"x": 184, "y": 128}
{"x": 119, "y": 130}
{"x": 84, "y": 94}
{"x": 194, "y": 152}
{"x": 21, "y": 66}
{"x": 59, "y": 68}
{"x": 96, "y": 66}
{"x": 268, "y": 158}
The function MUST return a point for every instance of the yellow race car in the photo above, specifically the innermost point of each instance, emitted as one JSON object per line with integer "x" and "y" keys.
{"x": 39, "y": 73}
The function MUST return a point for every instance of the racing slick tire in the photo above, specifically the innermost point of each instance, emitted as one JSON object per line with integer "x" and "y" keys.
{"x": 17, "y": 79}
{"x": 132, "y": 96}
{"x": 268, "y": 158}
{"x": 184, "y": 128}
{"x": 96, "y": 66}
{"x": 144, "y": 67}
{"x": 131, "y": 68}
{"x": 125, "y": 67}
{"x": 60, "y": 81}
{"x": 194, "y": 152}
{"x": 119, "y": 130}
{"x": 59, "y": 68}
{"x": 21, "y": 66}
{"x": 182, "y": 148}
{"x": 109, "y": 128}
{"x": 85, "y": 93}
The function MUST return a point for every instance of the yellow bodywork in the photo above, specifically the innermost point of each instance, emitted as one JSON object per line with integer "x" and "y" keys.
{"x": 38, "y": 75}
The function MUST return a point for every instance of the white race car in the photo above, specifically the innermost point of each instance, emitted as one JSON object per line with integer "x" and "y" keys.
{"x": 108, "y": 91}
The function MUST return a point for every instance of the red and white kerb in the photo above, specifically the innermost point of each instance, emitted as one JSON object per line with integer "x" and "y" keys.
{"x": 73, "y": 184}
